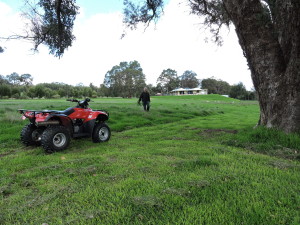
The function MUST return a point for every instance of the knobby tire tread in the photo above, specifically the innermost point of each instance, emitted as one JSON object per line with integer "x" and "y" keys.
{"x": 95, "y": 135}
{"x": 48, "y": 135}
{"x": 26, "y": 135}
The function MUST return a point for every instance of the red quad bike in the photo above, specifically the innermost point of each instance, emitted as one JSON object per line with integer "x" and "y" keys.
{"x": 53, "y": 129}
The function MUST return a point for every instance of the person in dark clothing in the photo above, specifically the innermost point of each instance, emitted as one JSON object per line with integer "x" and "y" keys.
{"x": 145, "y": 97}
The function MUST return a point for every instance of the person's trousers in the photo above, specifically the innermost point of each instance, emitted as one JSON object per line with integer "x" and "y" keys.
{"x": 146, "y": 105}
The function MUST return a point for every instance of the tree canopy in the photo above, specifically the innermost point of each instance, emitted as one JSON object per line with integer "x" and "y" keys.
{"x": 216, "y": 86}
{"x": 16, "y": 79}
{"x": 238, "y": 91}
{"x": 51, "y": 23}
{"x": 125, "y": 80}
{"x": 144, "y": 13}
{"x": 189, "y": 79}
{"x": 168, "y": 80}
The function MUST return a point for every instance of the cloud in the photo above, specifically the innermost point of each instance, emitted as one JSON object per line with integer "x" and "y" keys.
{"x": 176, "y": 42}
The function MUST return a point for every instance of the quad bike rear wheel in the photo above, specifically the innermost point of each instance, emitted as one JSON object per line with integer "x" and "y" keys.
{"x": 55, "y": 138}
{"x": 31, "y": 135}
{"x": 101, "y": 133}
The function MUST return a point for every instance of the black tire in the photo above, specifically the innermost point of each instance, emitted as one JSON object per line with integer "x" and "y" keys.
{"x": 31, "y": 135}
{"x": 101, "y": 133}
{"x": 55, "y": 138}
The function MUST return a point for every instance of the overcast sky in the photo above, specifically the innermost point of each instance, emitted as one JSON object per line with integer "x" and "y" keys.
{"x": 176, "y": 42}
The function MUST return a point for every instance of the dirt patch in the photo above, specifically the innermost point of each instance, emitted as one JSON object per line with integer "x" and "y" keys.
{"x": 5, "y": 154}
{"x": 282, "y": 165}
{"x": 176, "y": 138}
{"x": 192, "y": 128}
{"x": 212, "y": 131}
{"x": 125, "y": 137}
{"x": 148, "y": 201}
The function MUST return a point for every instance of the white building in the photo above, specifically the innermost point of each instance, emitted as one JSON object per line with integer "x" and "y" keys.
{"x": 189, "y": 91}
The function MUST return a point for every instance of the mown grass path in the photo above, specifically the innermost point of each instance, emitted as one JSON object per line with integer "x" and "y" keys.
{"x": 169, "y": 166}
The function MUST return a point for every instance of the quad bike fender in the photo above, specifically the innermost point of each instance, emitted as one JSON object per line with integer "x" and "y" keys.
{"x": 90, "y": 124}
{"x": 102, "y": 117}
{"x": 58, "y": 119}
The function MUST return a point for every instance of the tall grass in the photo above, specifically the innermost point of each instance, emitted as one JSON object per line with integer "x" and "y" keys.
{"x": 268, "y": 141}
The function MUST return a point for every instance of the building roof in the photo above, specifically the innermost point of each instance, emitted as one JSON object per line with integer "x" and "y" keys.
{"x": 187, "y": 89}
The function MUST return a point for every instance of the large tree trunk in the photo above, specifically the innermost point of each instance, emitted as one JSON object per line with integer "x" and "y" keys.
{"x": 271, "y": 44}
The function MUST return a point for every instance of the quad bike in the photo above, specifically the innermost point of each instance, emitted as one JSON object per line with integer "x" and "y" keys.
{"x": 54, "y": 129}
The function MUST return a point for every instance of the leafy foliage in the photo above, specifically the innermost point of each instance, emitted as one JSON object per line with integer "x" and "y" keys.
{"x": 14, "y": 85}
{"x": 216, "y": 86}
{"x": 221, "y": 87}
{"x": 52, "y": 24}
{"x": 238, "y": 91}
{"x": 16, "y": 79}
{"x": 168, "y": 80}
{"x": 189, "y": 79}
{"x": 145, "y": 13}
{"x": 22, "y": 88}
{"x": 215, "y": 16}
{"x": 213, "y": 10}
{"x": 125, "y": 80}
{"x": 5, "y": 90}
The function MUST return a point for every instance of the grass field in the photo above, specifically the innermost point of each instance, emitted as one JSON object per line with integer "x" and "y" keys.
{"x": 190, "y": 160}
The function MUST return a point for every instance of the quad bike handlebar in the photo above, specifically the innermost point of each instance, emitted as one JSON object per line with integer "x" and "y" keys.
{"x": 82, "y": 104}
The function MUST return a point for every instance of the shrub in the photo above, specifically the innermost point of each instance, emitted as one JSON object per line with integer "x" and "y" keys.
{"x": 56, "y": 96}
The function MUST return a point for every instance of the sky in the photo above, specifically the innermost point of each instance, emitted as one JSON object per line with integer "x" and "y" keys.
{"x": 176, "y": 41}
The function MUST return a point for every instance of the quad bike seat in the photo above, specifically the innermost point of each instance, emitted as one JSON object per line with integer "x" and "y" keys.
{"x": 66, "y": 112}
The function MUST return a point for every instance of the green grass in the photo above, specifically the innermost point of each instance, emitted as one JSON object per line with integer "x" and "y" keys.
{"x": 190, "y": 160}
{"x": 268, "y": 141}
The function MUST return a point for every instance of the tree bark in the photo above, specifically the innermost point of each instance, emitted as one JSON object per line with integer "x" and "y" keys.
{"x": 271, "y": 44}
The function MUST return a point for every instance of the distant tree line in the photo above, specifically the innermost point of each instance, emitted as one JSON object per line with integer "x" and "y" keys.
{"x": 21, "y": 87}
{"x": 128, "y": 80}
{"x": 221, "y": 87}
{"x": 124, "y": 80}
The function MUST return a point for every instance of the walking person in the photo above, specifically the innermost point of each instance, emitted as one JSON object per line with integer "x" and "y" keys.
{"x": 145, "y": 97}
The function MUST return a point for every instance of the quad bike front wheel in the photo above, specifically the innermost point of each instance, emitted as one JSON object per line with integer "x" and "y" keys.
{"x": 101, "y": 133}
{"x": 31, "y": 135}
{"x": 55, "y": 138}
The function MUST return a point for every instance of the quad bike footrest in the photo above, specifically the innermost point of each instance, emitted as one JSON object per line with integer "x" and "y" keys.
{"x": 81, "y": 135}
